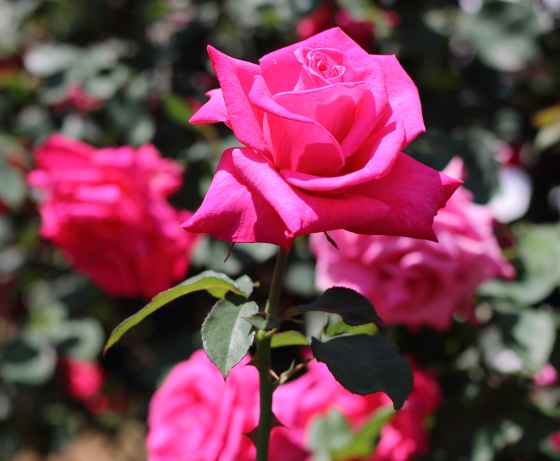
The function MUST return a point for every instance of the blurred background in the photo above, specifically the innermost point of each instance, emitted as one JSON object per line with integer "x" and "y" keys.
{"x": 123, "y": 72}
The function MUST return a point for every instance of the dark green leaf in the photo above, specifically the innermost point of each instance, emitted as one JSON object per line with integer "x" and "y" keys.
{"x": 366, "y": 364}
{"x": 354, "y": 308}
{"x": 215, "y": 283}
{"x": 288, "y": 338}
{"x": 226, "y": 336}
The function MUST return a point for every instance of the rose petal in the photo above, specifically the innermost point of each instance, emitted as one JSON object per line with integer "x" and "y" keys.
{"x": 333, "y": 106}
{"x": 414, "y": 192}
{"x": 233, "y": 212}
{"x": 296, "y": 142}
{"x": 383, "y": 148}
{"x": 403, "y": 96}
{"x": 302, "y": 213}
{"x": 236, "y": 79}
{"x": 213, "y": 111}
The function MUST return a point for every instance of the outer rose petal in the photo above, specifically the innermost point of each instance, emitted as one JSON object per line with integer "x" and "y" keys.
{"x": 302, "y": 213}
{"x": 403, "y": 96}
{"x": 213, "y": 111}
{"x": 236, "y": 79}
{"x": 414, "y": 192}
{"x": 234, "y": 212}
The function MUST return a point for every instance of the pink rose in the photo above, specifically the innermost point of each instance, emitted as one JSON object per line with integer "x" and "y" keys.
{"x": 196, "y": 416}
{"x": 315, "y": 393}
{"x": 415, "y": 282}
{"x": 324, "y": 124}
{"x": 106, "y": 209}
{"x": 547, "y": 376}
{"x": 84, "y": 378}
{"x": 554, "y": 440}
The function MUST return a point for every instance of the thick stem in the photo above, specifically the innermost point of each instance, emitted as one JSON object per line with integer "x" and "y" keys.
{"x": 263, "y": 350}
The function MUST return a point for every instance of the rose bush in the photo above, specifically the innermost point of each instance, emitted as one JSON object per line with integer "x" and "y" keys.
{"x": 196, "y": 416}
{"x": 106, "y": 209}
{"x": 415, "y": 282}
{"x": 324, "y": 124}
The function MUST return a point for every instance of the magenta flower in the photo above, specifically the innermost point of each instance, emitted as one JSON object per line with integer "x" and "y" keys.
{"x": 106, "y": 209}
{"x": 324, "y": 124}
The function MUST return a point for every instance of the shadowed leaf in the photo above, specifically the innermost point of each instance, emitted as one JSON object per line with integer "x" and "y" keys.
{"x": 366, "y": 364}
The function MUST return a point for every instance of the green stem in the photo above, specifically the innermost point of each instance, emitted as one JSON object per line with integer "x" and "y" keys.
{"x": 263, "y": 350}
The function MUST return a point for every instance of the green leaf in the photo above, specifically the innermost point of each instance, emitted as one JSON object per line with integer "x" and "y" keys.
{"x": 246, "y": 285}
{"x": 366, "y": 364}
{"x": 539, "y": 251}
{"x": 213, "y": 282}
{"x": 340, "y": 328}
{"x": 328, "y": 433}
{"x": 364, "y": 442}
{"x": 534, "y": 334}
{"x": 354, "y": 308}
{"x": 226, "y": 336}
{"x": 177, "y": 110}
{"x": 288, "y": 338}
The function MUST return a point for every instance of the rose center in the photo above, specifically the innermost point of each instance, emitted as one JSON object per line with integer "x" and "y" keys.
{"x": 323, "y": 66}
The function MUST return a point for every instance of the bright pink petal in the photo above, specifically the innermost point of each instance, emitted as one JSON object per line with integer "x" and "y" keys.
{"x": 333, "y": 106}
{"x": 302, "y": 213}
{"x": 414, "y": 192}
{"x": 297, "y": 142}
{"x": 213, "y": 111}
{"x": 234, "y": 212}
{"x": 236, "y": 79}
{"x": 403, "y": 96}
{"x": 383, "y": 148}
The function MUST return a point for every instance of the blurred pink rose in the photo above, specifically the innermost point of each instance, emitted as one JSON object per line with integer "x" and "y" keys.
{"x": 554, "y": 440}
{"x": 106, "y": 209}
{"x": 324, "y": 124}
{"x": 548, "y": 376}
{"x": 415, "y": 282}
{"x": 196, "y": 416}
{"x": 84, "y": 378}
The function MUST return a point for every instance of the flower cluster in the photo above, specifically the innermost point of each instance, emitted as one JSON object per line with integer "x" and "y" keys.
{"x": 195, "y": 416}
{"x": 106, "y": 209}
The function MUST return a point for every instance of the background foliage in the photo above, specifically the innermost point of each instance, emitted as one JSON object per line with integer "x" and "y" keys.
{"x": 113, "y": 72}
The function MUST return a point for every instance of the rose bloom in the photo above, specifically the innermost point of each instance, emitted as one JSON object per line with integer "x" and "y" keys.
{"x": 106, "y": 210}
{"x": 196, "y": 416}
{"x": 84, "y": 378}
{"x": 324, "y": 124}
{"x": 415, "y": 282}
{"x": 554, "y": 440}
{"x": 547, "y": 376}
